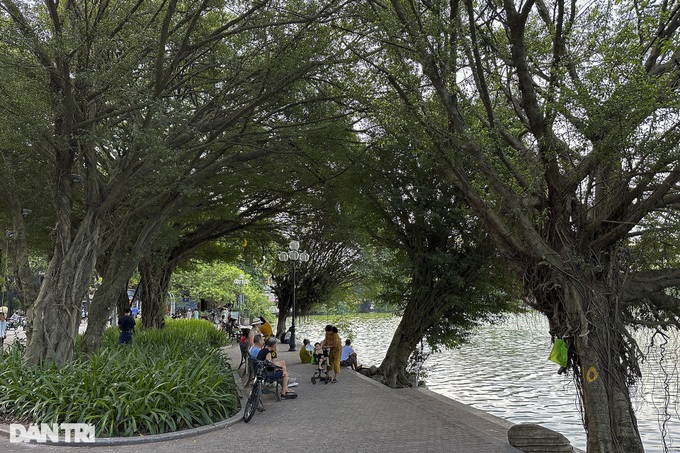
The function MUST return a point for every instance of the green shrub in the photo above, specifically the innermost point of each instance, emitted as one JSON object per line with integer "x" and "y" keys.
{"x": 189, "y": 333}
{"x": 166, "y": 380}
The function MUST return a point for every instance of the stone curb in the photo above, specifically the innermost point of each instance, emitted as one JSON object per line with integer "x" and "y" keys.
{"x": 114, "y": 441}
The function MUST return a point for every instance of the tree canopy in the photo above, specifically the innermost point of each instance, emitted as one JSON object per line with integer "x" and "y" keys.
{"x": 557, "y": 121}
{"x": 446, "y": 133}
{"x": 142, "y": 103}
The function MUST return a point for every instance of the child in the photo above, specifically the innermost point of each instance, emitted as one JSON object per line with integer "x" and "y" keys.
{"x": 321, "y": 356}
{"x": 322, "y": 361}
{"x": 318, "y": 352}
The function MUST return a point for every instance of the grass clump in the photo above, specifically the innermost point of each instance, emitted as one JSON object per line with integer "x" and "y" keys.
{"x": 167, "y": 380}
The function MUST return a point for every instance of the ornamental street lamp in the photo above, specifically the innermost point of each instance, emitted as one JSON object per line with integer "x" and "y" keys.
{"x": 294, "y": 256}
{"x": 240, "y": 281}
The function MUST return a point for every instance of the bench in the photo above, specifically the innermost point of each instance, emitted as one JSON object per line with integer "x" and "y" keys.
{"x": 252, "y": 366}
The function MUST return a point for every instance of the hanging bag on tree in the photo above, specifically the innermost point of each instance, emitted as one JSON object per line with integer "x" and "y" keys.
{"x": 559, "y": 353}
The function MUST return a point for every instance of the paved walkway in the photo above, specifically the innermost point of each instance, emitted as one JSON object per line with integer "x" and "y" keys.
{"x": 354, "y": 415}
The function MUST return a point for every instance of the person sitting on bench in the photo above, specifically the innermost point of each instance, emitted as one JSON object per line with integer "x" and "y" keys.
{"x": 281, "y": 372}
{"x": 258, "y": 344}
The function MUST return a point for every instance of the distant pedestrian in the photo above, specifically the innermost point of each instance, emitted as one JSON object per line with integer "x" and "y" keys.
{"x": 126, "y": 324}
{"x": 196, "y": 314}
{"x": 285, "y": 337}
{"x": 3, "y": 328}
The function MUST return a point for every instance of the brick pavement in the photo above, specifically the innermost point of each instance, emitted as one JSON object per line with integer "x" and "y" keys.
{"x": 354, "y": 415}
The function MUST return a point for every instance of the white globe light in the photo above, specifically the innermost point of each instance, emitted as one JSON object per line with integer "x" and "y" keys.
{"x": 283, "y": 256}
{"x": 294, "y": 245}
{"x": 293, "y": 255}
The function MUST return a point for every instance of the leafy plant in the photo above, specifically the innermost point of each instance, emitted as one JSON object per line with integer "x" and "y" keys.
{"x": 167, "y": 380}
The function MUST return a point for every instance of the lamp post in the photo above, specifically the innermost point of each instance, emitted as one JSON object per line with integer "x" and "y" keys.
{"x": 294, "y": 256}
{"x": 240, "y": 281}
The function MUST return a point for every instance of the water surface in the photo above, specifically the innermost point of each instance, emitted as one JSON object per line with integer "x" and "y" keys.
{"x": 504, "y": 370}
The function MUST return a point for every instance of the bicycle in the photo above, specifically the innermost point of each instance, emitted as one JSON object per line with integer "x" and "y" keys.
{"x": 265, "y": 373}
{"x": 254, "y": 402}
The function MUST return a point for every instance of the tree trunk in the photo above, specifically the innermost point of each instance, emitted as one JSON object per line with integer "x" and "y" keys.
{"x": 604, "y": 362}
{"x": 609, "y": 418}
{"x": 123, "y": 303}
{"x": 284, "y": 297}
{"x": 57, "y": 308}
{"x": 27, "y": 282}
{"x": 101, "y": 310}
{"x": 281, "y": 324}
{"x": 154, "y": 281}
{"x": 393, "y": 367}
{"x": 115, "y": 266}
{"x": 420, "y": 314}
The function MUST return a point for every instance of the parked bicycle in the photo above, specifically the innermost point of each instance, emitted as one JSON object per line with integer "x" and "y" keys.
{"x": 254, "y": 401}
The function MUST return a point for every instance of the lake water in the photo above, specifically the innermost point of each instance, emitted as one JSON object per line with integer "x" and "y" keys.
{"x": 505, "y": 371}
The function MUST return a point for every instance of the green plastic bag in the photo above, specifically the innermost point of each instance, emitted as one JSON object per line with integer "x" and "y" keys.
{"x": 559, "y": 353}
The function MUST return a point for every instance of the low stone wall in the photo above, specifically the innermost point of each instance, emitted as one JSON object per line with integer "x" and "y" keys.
{"x": 531, "y": 438}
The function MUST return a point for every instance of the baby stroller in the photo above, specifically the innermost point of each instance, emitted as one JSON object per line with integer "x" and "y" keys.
{"x": 322, "y": 367}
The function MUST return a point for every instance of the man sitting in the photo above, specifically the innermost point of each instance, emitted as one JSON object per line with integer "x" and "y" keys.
{"x": 258, "y": 344}
{"x": 348, "y": 357}
{"x": 266, "y": 354}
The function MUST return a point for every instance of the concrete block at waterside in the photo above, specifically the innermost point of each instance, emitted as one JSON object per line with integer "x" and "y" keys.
{"x": 532, "y": 438}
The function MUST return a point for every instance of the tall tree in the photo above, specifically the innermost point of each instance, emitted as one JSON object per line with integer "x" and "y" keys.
{"x": 443, "y": 271}
{"x": 146, "y": 99}
{"x": 558, "y": 122}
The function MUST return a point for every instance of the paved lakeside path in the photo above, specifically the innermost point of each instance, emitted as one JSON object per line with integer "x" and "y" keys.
{"x": 356, "y": 414}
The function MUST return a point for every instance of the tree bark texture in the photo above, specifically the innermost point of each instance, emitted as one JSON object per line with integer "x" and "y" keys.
{"x": 284, "y": 296}
{"x": 102, "y": 309}
{"x": 404, "y": 342}
{"x": 421, "y": 313}
{"x": 19, "y": 248}
{"x": 281, "y": 324}
{"x": 58, "y": 306}
{"x": 154, "y": 281}
{"x": 111, "y": 266}
{"x": 582, "y": 308}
